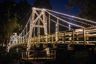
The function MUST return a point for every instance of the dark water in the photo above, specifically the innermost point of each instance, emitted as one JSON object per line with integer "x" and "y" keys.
{"x": 79, "y": 55}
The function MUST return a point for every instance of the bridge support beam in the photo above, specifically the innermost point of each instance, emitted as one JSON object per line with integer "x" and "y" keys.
{"x": 77, "y": 37}
{"x": 87, "y": 38}
{"x": 84, "y": 36}
{"x": 73, "y": 36}
{"x": 45, "y": 25}
{"x": 30, "y": 31}
{"x": 57, "y": 30}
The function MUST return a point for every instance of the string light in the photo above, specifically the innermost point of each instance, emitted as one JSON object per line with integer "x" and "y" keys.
{"x": 33, "y": 8}
{"x": 59, "y": 24}
{"x": 65, "y": 20}
{"x": 22, "y": 36}
{"x": 72, "y": 16}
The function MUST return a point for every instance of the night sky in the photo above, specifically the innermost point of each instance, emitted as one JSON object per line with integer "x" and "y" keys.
{"x": 59, "y": 5}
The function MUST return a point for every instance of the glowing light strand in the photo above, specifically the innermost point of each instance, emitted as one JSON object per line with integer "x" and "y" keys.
{"x": 59, "y": 24}
{"x": 72, "y": 16}
{"x": 65, "y": 20}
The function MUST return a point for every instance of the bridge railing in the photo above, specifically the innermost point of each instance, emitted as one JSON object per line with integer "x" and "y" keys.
{"x": 69, "y": 37}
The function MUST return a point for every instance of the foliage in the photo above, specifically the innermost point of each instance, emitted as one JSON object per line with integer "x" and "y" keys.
{"x": 11, "y": 15}
{"x": 43, "y": 4}
{"x": 87, "y": 7}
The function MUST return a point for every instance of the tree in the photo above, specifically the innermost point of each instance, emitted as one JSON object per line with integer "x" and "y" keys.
{"x": 8, "y": 21}
{"x": 87, "y": 8}
{"x": 42, "y": 4}
{"x": 12, "y": 16}
{"x": 23, "y": 10}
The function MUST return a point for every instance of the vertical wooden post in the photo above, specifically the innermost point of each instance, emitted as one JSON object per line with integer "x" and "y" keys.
{"x": 45, "y": 25}
{"x": 30, "y": 30}
{"x": 73, "y": 36}
{"x": 57, "y": 30}
{"x": 84, "y": 35}
{"x": 38, "y": 31}
{"x": 26, "y": 33}
{"x": 52, "y": 39}
{"x": 64, "y": 37}
{"x": 87, "y": 38}
{"x": 77, "y": 39}
{"x": 49, "y": 27}
{"x": 49, "y": 24}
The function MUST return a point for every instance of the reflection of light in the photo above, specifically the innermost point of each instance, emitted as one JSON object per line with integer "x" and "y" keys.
{"x": 87, "y": 32}
{"x": 43, "y": 9}
{"x": 79, "y": 30}
{"x": 69, "y": 27}
{"x": 34, "y": 8}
